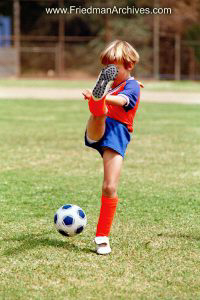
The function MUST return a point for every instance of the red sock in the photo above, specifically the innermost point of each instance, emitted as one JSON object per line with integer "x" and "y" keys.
{"x": 107, "y": 211}
{"x": 97, "y": 108}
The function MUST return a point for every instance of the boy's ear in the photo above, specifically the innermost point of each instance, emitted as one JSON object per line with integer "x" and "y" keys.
{"x": 130, "y": 66}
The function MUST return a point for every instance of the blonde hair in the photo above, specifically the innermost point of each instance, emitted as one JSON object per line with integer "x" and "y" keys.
{"x": 120, "y": 52}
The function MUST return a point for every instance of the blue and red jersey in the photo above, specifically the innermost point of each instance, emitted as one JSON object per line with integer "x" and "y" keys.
{"x": 130, "y": 90}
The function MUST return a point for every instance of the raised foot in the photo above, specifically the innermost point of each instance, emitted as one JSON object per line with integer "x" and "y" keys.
{"x": 104, "y": 81}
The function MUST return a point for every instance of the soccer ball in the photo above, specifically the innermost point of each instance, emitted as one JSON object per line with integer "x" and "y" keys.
{"x": 70, "y": 220}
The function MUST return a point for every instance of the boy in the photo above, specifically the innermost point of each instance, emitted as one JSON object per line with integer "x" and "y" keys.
{"x": 113, "y": 104}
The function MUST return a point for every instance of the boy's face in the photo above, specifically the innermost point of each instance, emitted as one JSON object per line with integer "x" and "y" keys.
{"x": 124, "y": 71}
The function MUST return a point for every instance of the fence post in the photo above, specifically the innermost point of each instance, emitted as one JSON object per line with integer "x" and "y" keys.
{"x": 61, "y": 41}
{"x": 191, "y": 64}
{"x": 156, "y": 43}
{"x": 177, "y": 56}
{"x": 16, "y": 12}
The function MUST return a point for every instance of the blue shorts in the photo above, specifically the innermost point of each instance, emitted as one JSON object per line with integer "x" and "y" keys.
{"x": 116, "y": 137}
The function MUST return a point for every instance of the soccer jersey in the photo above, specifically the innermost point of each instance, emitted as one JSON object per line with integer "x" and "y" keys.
{"x": 130, "y": 90}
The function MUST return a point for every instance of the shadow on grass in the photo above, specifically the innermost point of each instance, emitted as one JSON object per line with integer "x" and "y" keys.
{"x": 31, "y": 241}
{"x": 180, "y": 235}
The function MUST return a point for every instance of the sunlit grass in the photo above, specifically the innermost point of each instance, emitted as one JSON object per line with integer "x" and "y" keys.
{"x": 156, "y": 232}
{"x": 150, "y": 85}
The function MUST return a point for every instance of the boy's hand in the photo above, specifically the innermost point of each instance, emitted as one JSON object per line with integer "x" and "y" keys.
{"x": 140, "y": 83}
{"x": 87, "y": 94}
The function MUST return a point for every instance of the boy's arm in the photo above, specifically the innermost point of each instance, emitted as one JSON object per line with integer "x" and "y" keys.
{"x": 116, "y": 100}
{"x": 110, "y": 99}
{"x": 128, "y": 97}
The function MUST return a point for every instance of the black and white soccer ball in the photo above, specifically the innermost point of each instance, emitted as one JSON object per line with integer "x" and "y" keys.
{"x": 70, "y": 220}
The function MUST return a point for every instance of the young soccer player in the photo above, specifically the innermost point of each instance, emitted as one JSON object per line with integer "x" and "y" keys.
{"x": 113, "y": 104}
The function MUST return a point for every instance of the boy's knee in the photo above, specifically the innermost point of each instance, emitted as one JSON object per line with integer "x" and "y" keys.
{"x": 97, "y": 119}
{"x": 109, "y": 189}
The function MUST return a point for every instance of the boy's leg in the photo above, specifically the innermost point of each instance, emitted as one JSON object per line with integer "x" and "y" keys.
{"x": 97, "y": 105}
{"x": 112, "y": 162}
{"x": 112, "y": 167}
{"x": 96, "y": 127}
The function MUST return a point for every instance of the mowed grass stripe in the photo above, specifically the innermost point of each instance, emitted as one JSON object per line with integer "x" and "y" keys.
{"x": 155, "y": 237}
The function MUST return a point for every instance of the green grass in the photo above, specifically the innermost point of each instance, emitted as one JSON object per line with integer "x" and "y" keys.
{"x": 172, "y": 86}
{"x": 176, "y": 86}
{"x": 49, "y": 83}
{"x": 156, "y": 232}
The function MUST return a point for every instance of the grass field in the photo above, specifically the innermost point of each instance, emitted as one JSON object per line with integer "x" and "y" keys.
{"x": 156, "y": 233}
{"x": 176, "y": 86}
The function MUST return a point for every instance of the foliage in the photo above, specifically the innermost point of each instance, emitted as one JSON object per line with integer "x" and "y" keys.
{"x": 138, "y": 29}
{"x": 193, "y": 34}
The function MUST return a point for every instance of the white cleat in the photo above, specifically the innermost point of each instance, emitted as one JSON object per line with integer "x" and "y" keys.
{"x": 102, "y": 245}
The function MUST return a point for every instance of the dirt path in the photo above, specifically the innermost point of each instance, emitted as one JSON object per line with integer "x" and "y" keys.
{"x": 65, "y": 94}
